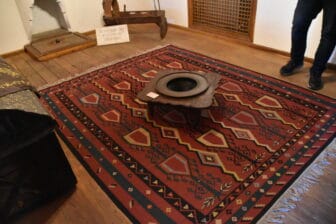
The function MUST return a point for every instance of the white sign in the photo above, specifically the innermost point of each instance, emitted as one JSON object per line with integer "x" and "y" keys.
{"x": 112, "y": 34}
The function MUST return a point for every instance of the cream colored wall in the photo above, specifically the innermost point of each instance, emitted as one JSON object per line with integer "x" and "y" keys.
{"x": 272, "y": 25}
{"x": 87, "y": 15}
{"x": 43, "y": 21}
{"x": 176, "y": 11}
{"x": 132, "y": 5}
{"x": 83, "y": 16}
{"x": 12, "y": 34}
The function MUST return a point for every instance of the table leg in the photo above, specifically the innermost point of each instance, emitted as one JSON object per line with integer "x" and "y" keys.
{"x": 150, "y": 109}
{"x": 193, "y": 116}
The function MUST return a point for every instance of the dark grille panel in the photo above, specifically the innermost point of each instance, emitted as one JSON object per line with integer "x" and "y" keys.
{"x": 225, "y": 15}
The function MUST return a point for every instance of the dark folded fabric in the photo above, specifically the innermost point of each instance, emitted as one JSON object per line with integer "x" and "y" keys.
{"x": 19, "y": 129}
{"x": 33, "y": 167}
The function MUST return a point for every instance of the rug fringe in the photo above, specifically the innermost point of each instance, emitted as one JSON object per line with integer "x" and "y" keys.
{"x": 288, "y": 201}
{"x": 138, "y": 53}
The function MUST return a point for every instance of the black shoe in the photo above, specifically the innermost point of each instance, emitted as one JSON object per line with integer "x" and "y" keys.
{"x": 290, "y": 68}
{"x": 315, "y": 82}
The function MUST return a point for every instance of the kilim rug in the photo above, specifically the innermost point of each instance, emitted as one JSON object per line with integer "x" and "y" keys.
{"x": 259, "y": 134}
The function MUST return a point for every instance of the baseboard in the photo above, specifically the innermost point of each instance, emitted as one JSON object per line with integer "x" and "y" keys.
{"x": 331, "y": 66}
{"x": 307, "y": 59}
{"x": 229, "y": 37}
{"x": 12, "y": 53}
{"x": 273, "y": 50}
{"x": 89, "y": 33}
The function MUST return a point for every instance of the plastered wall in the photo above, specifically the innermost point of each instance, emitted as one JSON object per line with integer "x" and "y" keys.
{"x": 272, "y": 25}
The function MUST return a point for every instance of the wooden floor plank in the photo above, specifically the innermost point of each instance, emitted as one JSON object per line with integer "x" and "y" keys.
{"x": 20, "y": 62}
{"x": 97, "y": 53}
{"x": 58, "y": 70}
{"x": 65, "y": 64}
{"x": 41, "y": 70}
{"x": 80, "y": 61}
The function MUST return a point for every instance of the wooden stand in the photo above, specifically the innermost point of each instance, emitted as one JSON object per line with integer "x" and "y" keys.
{"x": 190, "y": 106}
{"x": 57, "y": 44}
{"x": 113, "y": 16}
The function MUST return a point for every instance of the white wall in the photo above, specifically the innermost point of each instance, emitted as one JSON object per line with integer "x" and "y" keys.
{"x": 272, "y": 25}
{"x": 83, "y": 16}
{"x": 45, "y": 16}
{"x": 88, "y": 15}
{"x": 132, "y": 5}
{"x": 176, "y": 11}
{"x": 12, "y": 35}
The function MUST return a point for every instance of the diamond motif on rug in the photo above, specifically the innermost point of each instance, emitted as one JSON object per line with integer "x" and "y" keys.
{"x": 244, "y": 117}
{"x": 169, "y": 132}
{"x": 175, "y": 116}
{"x": 175, "y": 65}
{"x": 268, "y": 101}
{"x": 210, "y": 159}
{"x": 149, "y": 74}
{"x": 176, "y": 164}
{"x": 123, "y": 86}
{"x": 91, "y": 99}
{"x": 231, "y": 97}
{"x": 231, "y": 86}
{"x": 139, "y": 137}
{"x": 112, "y": 115}
{"x": 213, "y": 139}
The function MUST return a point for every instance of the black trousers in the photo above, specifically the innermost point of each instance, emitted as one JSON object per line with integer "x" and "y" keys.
{"x": 305, "y": 12}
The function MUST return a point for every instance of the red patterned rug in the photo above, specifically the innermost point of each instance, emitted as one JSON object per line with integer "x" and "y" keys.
{"x": 259, "y": 134}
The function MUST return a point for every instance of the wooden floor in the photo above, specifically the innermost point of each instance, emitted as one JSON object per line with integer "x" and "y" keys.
{"x": 88, "y": 204}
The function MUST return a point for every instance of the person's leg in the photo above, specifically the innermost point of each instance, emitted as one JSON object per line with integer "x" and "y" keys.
{"x": 326, "y": 45}
{"x": 305, "y": 12}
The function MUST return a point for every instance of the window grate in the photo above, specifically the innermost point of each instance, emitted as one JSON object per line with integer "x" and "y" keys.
{"x": 223, "y": 15}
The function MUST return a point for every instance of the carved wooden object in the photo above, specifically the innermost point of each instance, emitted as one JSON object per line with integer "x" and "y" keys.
{"x": 113, "y": 16}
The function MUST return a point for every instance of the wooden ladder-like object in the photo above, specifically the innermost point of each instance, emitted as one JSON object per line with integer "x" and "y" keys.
{"x": 113, "y": 16}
